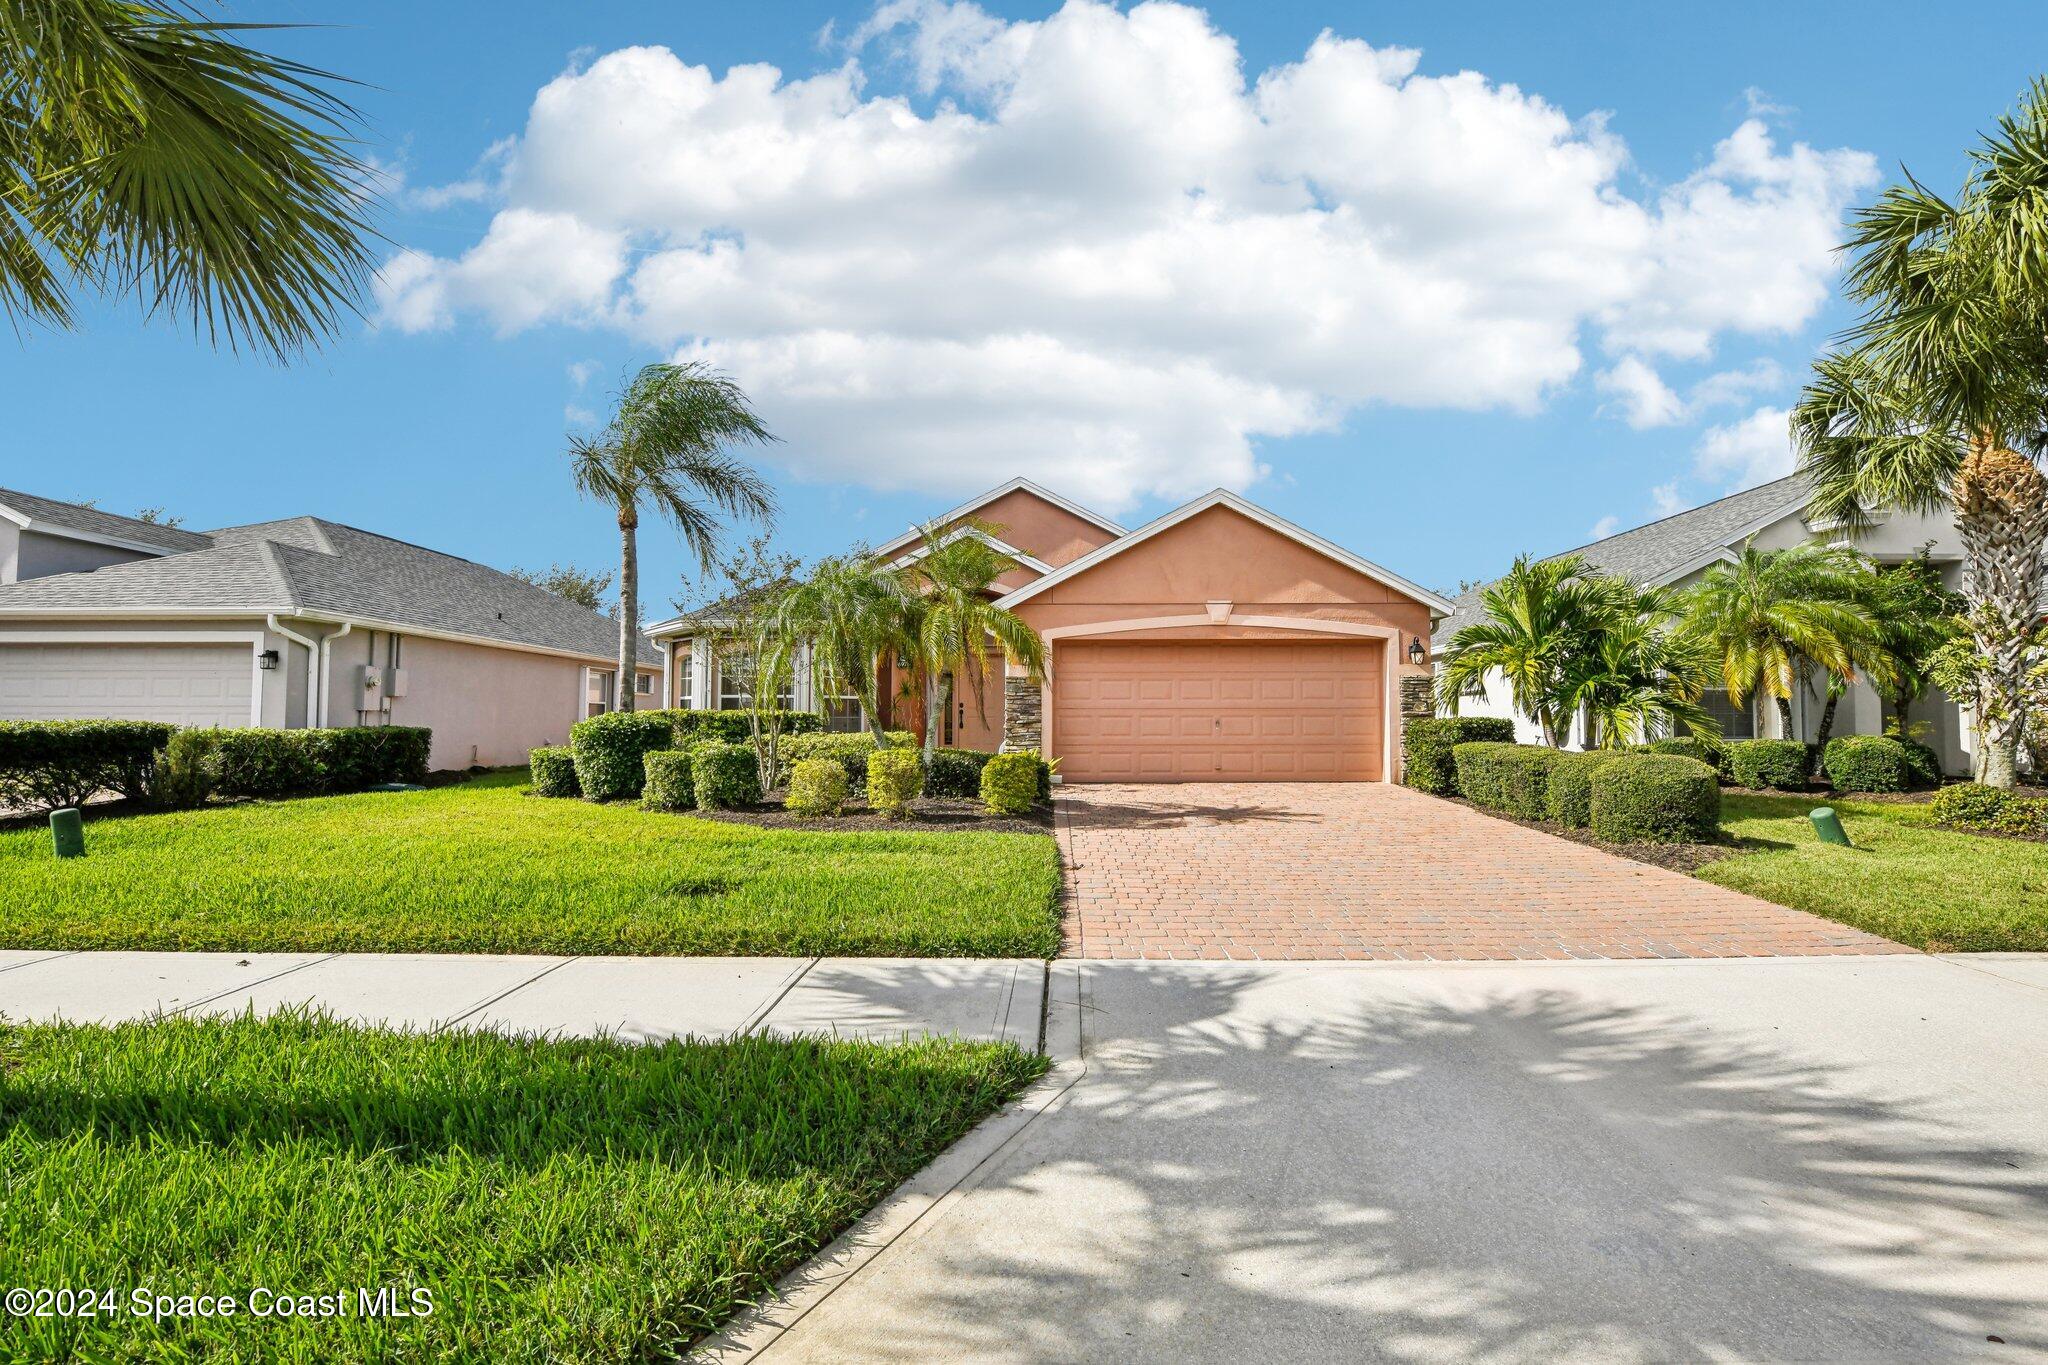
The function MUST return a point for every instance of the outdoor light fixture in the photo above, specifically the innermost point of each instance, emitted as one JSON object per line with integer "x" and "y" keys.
{"x": 1416, "y": 653}
{"x": 267, "y": 660}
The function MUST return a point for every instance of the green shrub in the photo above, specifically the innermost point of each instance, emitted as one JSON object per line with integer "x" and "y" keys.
{"x": 1568, "y": 798}
{"x": 1655, "y": 799}
{"x": 1868, "y": 763}
{"x": 1924, "y": 763}
{"x": 955, "y": 772}
{"x": 553, "y": 772}
{"x": 733, "y": 727}
{"x": 895, "y": 778}
{"x": 726, "y": 775}
{"x": 671, "y": 780}
{"x": 850, "y": 751}
{"x": 1511, "y": 778}
{"x": 2025, "y": 816}
{"x": 1009, "y": 783}
{"x": 51, "y": 763}
{"x": 1970, "y": 806}
{"x": 1711, "y": 752}
{"x": 1763, "y": 763}
{"x": 1426, "y": 744}
{"x": 611, "y": 750}
{"x": 817, "y": 786}
{"x": 186, "y": 770}
{"x": 359, "y": 757}
{"x": 266, "y": 765}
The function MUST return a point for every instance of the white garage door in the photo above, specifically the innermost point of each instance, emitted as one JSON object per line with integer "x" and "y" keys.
{"x": 184, "y": 684}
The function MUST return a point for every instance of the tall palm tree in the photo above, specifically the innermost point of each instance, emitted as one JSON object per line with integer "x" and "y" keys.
{"x": 1772, "y": 613}
{"x": 667, "y": 446}
{"x": 844, "y": 615}
{"x": 1943, "y": 396}
{"x": 950, "y": 618}
{"x": 144, "y": 151}
{"x": 1638, "y": 672}
{"x": 1539, "y": 616}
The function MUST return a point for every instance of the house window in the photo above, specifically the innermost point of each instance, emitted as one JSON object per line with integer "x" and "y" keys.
{"x": 842, "y": 715}
{"x": 643, "y": 683}
{"x": 1736, "y": 722}
{"x": 686, "y": 675}
{"x": 735, "y": 683}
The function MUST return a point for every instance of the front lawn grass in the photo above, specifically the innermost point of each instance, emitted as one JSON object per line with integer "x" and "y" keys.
{"x": 1907, "y": 880}
{"x": 557, "y": 1200}
{"x": 483, "y": 867}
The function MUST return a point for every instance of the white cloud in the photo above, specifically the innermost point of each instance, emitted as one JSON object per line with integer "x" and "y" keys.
{"x": 1754, "y": 450}
{"x": 1667, "y": 500}
{"x": 1642, "y": 397}
{"x": 484, "y": 181}
{"x": 579, "y": 417}
{"x": 580, "y": 372}
{"x": 1604, "y": 527}
{"x": 1107, "y": 248}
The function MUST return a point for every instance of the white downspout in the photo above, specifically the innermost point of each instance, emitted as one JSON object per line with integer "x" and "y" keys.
{"x": 312, "y": 666}
{"x": 325, "y": 655}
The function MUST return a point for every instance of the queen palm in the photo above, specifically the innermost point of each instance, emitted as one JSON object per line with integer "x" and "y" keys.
{"x": 950, "y": 618}
{"x": 1539, "y": 616}
{"x": 668, "y": 446}
{"x": 1945, "y": 385}
{"x": 1637, "y": 672}
{"x": 1773, "y": 614}
{"x": 842, "y": 616}
{"x": 145, "y": 152}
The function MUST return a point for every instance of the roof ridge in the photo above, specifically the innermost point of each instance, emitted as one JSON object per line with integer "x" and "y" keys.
{"x": 1674, "y": 516}
{"x": 272, "y": 552}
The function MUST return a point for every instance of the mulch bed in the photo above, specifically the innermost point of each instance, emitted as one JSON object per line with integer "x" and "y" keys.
{"x": 928, "y": 815}
{"x": 1673, "y": 857}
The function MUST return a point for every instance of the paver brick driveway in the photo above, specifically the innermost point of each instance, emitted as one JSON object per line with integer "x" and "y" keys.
{"x": 1367, "y": 870}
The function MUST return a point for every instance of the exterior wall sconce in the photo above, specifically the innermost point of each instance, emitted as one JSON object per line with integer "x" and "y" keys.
{"x": 1416, "y": 652}
{"x": 267, "y": 661}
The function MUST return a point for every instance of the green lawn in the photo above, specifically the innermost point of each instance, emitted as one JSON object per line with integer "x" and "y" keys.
{"x": 558, "y": 1201}
{"x": 483, "y": 867}
{"x": 1931, "y": 888}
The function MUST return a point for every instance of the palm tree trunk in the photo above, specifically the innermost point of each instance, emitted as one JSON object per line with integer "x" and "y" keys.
{"x": 1827, "y": 719}
{"x": 933, "y": 703}
{"x": 2002, "y": 512}
{"x": 629, "y": 611}
{"x": 1785, "y": 718}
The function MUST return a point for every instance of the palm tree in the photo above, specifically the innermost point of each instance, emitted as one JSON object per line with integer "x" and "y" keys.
{"x": 1771, "y": 614}
{"x": 145, "y": 152}
{"x": 1539, "y": 615}
{"x": 666, "y": 445}
{"x": 1945, "y": 384}
{"x": 1638, "y": 672}
{"x": 950, "y": 617}
{"x": 845, "y": 614}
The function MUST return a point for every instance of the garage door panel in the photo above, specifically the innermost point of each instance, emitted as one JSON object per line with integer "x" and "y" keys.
{"x": 184, "y": 684}
{"x": 1198, "y": 710}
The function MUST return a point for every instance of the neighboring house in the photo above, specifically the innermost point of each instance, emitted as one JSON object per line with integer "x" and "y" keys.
{"x": 1680, "y": 548}
{"x": 290, "y": 624}
{"x": 1217, "y": 642}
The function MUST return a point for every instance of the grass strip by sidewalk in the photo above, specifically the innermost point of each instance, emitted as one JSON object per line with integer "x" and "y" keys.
{"x": 483, "y": 867}
{"x": 560, "y": 1200}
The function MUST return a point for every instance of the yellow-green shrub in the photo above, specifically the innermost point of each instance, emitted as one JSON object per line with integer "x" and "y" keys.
{"x": 817, "y": 786}
{"x": 895, "y": 778}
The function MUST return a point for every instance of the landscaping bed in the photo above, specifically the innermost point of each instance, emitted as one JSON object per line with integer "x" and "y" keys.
{"x": 933, "y": 815}
{"x": 562, "y": 1200}
{"x": 481, "y": 867}
{"x": 1676, "y": 857}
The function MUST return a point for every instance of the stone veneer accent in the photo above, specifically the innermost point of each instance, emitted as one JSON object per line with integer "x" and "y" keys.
{"x": 1417, "y": 700}
{"x": 1023, "y": 716}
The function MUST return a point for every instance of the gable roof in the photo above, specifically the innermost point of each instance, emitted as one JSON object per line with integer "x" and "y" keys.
{"x": 1029, "y": 561}
{"x": 1223, "y": 497}
{"x": 308, "y": 567}
{"x": 75, "y": 521}
{"x": 1669, "y": 547}
{"x": 1015, "y": 485}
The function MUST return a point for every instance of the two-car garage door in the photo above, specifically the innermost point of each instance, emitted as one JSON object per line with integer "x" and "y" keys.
{"x": 1188, "y": 711}
{"x": 185, "y": 684}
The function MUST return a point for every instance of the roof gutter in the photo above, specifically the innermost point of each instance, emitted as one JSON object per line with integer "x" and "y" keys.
{"x": 316, "y": 655}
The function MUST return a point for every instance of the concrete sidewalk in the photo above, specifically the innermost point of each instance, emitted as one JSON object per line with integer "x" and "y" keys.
{"x": 1766, "y": 1159}
{"x": 639, "y": 998}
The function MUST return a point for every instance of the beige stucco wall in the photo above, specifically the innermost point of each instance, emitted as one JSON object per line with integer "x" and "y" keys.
{"x": 1040, "y": 529}
{"x": 31, "y": 554}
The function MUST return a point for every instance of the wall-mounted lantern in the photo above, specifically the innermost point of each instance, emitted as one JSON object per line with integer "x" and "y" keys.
{"x": 1416, "y": 652}
{"x": 267, "y": 661}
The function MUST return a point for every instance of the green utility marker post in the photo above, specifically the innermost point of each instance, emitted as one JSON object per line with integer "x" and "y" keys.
{"x": 1828, "y": 828}
{"x": 67, "y": 832}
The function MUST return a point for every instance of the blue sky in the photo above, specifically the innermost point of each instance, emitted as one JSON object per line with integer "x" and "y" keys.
{"x": 1412, "y": 311}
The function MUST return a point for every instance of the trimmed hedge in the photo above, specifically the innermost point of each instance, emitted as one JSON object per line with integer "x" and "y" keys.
{"x": 1568, "y": 799}
{"x": 956, "y": 772}
{"x": 817, "y": 786}
{"x": 1925, "y": 763}
{"x": 611, "y": 751}
{"x": 52, "y": 763}
{"x": 1009, "y": 783}
{"x": 186, "y": 770}
{"x": 1426, "y": 744}
{"x": 895, "y": 778}
{"x": 1655, "y": 799}
{"x": 270, "y": 764}
{"x": 1511, "y": 778}
{"x": 670, "y": 780}
{"x": 554, "y": 772}
{"x": 850, "y": 751}
{"x": 1712, "y": 752}
{"x": 1768, "y": 763}
{"x": 732, "y": 727}
{"x": 1978, "y": 809}
{"x": 1868, "y": 763}
{"x": 726, "y": 775}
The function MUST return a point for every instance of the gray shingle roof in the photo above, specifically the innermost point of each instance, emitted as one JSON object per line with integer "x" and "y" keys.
{"x": 72, "y": 516}
{"x": 304, "y": 565}
{"x": 1648, "y": 553}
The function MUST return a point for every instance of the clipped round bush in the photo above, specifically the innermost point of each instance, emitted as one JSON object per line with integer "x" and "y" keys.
{"x": 1427, "y": 761}
{"x": 1868, "y": 763}
{"x": 1969, "y": 805}
{"x": 955, "y": 772}
{"x": 1711, "y": 752}
{"x": 895, "y": 778}
{"x": 1009, "y": 783}
{"x": 1924, "y": 763}
{"x": 554, "y": 772}
{"x": 1767, "y": 763}
{"x": 1655, "y": 799}
{"x": 671, "y": 780}
{"x": 1568, "y": 799}
{"x": 725, "y": 775}
{"x": 1510, "y": 778}
{"x": 817, "y": 786}
{"x": 611, "y": 751}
